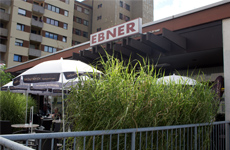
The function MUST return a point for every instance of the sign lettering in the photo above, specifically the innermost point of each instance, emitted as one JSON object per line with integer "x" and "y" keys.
{"x": 123, "y": 30}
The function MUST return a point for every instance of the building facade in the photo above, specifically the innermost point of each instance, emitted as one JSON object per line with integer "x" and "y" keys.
{"x": 108, "y": 13}
{"x": 82, "y": 23}
{"x": 33, "y": 28}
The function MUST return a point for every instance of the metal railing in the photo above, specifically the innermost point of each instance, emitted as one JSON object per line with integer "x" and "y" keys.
{"x": 8, "y": 144}
{"x": 190, "y": 137}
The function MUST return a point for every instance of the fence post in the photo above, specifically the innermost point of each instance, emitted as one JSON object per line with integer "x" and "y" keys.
{"x": 227, "y": 135}
{"x": 195, "y": 132}
{"x": 133, "y": 141}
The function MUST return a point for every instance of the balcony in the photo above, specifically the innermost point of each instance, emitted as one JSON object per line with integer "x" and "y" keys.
{"x": 3, "y": 32}
{"x": 38, "y": 9}
{"x": 4, "y": 16}
{"x": 36, "y": 23}
{"x": 2, "y": 48}
{"x": 5, "y": 3}
{"x": 35, "y": 37}
{"x": 34, "y": 52}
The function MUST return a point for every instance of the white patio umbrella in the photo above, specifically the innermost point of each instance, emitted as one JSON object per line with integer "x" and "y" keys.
{"x": 54, "y": 74}
{"x": 177, "y": 80}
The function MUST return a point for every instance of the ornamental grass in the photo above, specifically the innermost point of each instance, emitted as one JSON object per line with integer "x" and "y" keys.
{"x": 128, "y": 96}
{"x": 13, "y": 107}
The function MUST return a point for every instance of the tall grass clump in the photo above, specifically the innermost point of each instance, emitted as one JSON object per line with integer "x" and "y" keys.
{"x": 128, "y": 96}
{"x": 13, "y": 107}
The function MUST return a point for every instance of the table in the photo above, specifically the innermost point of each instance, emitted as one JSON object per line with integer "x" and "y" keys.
{"x": 57, "y": 121}
{"x": 25, "y": 126}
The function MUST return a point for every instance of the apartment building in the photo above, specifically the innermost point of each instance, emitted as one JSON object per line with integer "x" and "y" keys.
{"x": 34, "y": 28}
{"x": 108, "y": 13}
{"x": 82, "y": 23}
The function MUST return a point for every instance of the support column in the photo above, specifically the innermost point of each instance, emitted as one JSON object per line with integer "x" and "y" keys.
{"x": 226, "y": 52}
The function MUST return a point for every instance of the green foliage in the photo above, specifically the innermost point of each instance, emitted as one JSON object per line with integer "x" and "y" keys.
{"x": 129, "y": 97}
{"x": 5, "y": 77}
{"x": 13, "y": 107}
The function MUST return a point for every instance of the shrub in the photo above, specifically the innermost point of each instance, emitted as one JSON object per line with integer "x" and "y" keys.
{"x": 128, "y": 97}
{"x": 13, "y": 107}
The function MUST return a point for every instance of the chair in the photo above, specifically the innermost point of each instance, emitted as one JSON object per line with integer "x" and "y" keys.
{"x": 57, "y": 127}
{"x": 5, "y": 126}
{"x": 47, "y": 123}
{"x": 46, "y": 143}
{"x": 35, "y": 119}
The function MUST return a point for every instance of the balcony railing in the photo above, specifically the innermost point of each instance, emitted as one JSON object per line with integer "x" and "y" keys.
{"x": 34, "y": 52}
{"x": 3, "y": 32}
{"x": 5, "y": 2}
{"x": 38, "y": 9}
{"x": 4, "y": 16}
{"x": 2, "y": 48}
{"x": 35, "y": 37}
{"x": 39, "y": 0}
{"x": 36, "y": 23}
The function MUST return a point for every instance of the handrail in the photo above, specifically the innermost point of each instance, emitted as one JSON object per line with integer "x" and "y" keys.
{"x": 12, "y": 145}
{"x": 103, "y": 132}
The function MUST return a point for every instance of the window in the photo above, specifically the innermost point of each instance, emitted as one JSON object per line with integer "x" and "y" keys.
{"x": 99, "y": 17}
{"x": 50, "y": 49}
{"x": 85, "y": 34}
{"x": 51, "y": 21}
{"x": 53, "y": 8}
{"x": 34, "y": 17}
{"x": 65, "y": 25}
{"x": 36, "y": 3}
{"x": 64, "y": 39}
{"x": 21, "y": 11}
{"x": 86, "y": 22}
{"x": 51, "y": 35}
{"x": 56, "y": 23}
{"x": 127, "y": 7}
{"x": 48, "y": 20}
{"x": 78, "y": 20}
{"x": 127, "y": 18}
{"x": 57, "y": 10}
{"x": 55, "y": 36}
{"x": 17, "y": 58}
{"x": 76, "y": 42}
{"x": 99, "y": 6}
{"x": 79, "y": 8}
{"x": 121, "y": 3}
{"x": 98, "y": 29}
{"x": 2, "y": 10}
{"x": 20, "y": 27}
{"x": 18, "y": 42}
{"x": 77, "y": 32}
{"x": 49, "y": 7}
{"x": 121, "y": 16}
{"x": 86, "y": 11}
{"x": 34, "y": 31}
{"x": 66, "y": 13}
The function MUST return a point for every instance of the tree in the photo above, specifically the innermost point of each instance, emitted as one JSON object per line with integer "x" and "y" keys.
{"x": 5, "y": 77}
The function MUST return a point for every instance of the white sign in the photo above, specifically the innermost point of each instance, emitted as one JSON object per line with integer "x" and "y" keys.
{"x": 122, "y": 30}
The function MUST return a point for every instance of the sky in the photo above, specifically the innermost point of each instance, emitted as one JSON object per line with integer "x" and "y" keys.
{"x": 167, "y": 8}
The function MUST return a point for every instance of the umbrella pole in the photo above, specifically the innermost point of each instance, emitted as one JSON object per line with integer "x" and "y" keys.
{"x": 26, "y": 93}
{"x": 62, "y": 97}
